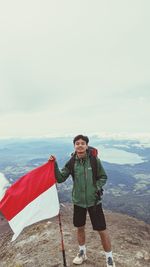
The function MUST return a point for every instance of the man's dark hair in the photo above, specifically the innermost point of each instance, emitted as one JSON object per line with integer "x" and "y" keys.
{"x": 80, "y": 136}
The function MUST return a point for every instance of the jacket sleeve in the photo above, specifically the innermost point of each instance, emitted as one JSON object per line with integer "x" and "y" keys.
{"x": 101, "y": 172}
{"x": 61, "y": 175}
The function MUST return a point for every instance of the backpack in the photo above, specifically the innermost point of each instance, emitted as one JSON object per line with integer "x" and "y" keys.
{"x": 92, "y": 152}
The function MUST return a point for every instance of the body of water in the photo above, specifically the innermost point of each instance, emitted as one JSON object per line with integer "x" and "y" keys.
{"x": 118, "y": 156}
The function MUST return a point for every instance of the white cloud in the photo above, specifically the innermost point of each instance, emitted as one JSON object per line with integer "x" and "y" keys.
{"x": 82, "y": 64}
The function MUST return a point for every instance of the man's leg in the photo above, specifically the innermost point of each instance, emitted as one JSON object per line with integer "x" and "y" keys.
{"x": 81, "y": 235}
{"x": 79, "y": 219}
{"x": 99, "y": 224}
{"x": 81, "y": 256}
{"x": 106, "y": 243}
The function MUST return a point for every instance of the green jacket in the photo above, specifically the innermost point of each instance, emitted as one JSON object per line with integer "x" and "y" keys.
{"x": 84, "y": 191}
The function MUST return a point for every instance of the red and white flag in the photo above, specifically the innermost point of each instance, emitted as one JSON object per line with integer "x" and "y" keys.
{"x": 30, "y": 199}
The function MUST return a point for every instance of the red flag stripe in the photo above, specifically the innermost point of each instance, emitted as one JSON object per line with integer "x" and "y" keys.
{"x": 26, "y": 189}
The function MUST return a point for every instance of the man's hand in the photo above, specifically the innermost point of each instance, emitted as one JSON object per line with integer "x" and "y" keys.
{"x": 52, "y": 157}
{"x": 99, "y": 194}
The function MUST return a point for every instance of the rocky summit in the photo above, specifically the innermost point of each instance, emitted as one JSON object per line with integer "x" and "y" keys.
{"x": 40, "y": 244}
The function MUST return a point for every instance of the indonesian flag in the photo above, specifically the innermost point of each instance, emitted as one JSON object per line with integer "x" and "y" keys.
{"x": 30, "y": 199}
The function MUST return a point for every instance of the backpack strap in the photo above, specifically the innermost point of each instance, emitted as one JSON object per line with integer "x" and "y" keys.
{"x": 93, "y": 162}
{"x": 70, "y": 165}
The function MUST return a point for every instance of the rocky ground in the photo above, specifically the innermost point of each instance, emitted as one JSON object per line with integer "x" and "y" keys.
{"x": 40, "y": 244}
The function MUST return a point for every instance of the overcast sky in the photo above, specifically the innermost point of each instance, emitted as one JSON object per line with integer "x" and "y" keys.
{"x": 74, "y": 67}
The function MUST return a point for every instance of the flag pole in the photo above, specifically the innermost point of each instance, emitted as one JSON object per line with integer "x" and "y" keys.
{"x": 62, "y": 241}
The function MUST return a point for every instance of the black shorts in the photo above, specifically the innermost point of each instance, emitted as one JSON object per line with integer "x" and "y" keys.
{"x": 96, "y": 216}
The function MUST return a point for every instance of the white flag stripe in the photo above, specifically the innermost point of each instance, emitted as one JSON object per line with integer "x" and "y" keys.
{"x": 43, "y": 207}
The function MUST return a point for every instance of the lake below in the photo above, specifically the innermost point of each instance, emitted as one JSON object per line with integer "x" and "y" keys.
{"x": 118, "y": 156}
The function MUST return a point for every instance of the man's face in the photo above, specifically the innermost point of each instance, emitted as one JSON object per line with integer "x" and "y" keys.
{"x": 80, "y": 146}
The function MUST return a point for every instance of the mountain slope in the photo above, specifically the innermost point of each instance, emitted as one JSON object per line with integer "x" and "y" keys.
{"x": 40, "y": 244}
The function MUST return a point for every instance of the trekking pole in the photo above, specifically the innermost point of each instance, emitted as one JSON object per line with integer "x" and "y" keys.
{"x": 62, "y": 241}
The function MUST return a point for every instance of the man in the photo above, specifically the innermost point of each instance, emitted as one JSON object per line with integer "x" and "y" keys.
{"x": 86, "y": 197}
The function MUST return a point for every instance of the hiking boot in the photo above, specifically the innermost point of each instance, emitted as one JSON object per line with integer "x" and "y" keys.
{"x": 80, "y": 258}
{"x": 110, "y": 262}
